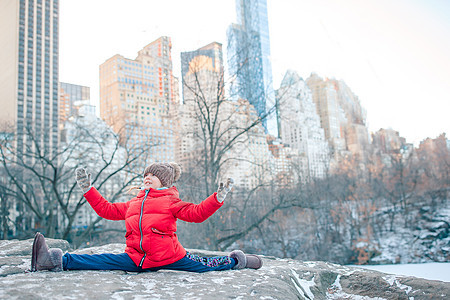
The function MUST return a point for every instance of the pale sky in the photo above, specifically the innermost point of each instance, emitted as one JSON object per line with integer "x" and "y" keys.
{"x": 393, "y": 54}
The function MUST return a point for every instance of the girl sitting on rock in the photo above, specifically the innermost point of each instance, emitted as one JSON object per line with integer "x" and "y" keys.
{"x": 150, "y": 220}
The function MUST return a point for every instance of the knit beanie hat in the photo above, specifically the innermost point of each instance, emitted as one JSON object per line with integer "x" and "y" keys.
{"x": 167, "y": 173}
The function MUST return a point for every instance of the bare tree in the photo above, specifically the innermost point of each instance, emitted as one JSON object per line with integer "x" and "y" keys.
{"x": 5, "y": 205}
{"x": 433, "y": 158}
{"x": 43, "y": 184}
{"x": 400, "y": 179}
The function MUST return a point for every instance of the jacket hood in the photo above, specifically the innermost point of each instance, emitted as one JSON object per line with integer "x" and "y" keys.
{"x": 172, "y": 191}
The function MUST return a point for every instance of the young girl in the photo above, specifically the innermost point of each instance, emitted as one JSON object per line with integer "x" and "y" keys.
{"x": 150, "y": 220}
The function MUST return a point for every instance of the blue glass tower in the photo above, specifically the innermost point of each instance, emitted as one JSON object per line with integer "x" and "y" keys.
{"x": 249, "y": 60}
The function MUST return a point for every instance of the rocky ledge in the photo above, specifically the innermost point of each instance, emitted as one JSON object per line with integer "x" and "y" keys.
{"x": 277, "y": 279}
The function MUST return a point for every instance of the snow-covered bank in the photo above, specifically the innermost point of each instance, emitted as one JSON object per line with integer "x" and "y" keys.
{"x": 431, "y": 271}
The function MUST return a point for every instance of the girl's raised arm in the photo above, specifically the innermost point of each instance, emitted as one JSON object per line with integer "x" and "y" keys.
{"x": 105, "y": 209}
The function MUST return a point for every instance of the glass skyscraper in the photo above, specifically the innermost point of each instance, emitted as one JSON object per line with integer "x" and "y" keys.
{"x": 29, "y": 63}
{"x": 249, "y": 60}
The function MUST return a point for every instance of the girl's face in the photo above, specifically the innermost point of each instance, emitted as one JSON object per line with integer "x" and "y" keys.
{"x": 151, "y": 181}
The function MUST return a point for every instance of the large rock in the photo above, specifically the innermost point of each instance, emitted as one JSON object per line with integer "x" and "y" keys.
{"x": 277, "y": 279}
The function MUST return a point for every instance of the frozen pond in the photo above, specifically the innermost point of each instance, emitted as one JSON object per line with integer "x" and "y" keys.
{"x": 432, "y": 271}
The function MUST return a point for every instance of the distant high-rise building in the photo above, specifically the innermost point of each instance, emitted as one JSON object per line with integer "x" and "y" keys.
{"x": 387, "y": 140}
{"x": 341, "y": 115}
{"x": 300, "y": 126}
{"x": 68, "y": 95}
{"x": 355, "y": 130}
{"x": 249, "y": 60}
{"x": 29, "y": 71}
{"x": 206, "y": 59}
{"x": 203, "y": 82}
{"x": 324, "y": 95}
{"x": 137, "y": 98}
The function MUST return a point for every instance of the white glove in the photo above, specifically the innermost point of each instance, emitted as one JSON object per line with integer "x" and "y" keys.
{"x": 223, "y": 190}
{"x": 83, "y": 179}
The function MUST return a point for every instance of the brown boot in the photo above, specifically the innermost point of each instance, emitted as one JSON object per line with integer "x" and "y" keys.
{"x": 246, "y": 260}
{"x": 43, "y": 258}
{"x": 253, "y": 261}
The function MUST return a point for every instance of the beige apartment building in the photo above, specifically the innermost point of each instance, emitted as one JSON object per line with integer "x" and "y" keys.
{"x": 341, "y": 116}
{"x": 138, "y": 98}
{"x": 332, "y": 118}
{"x": 29, "y": 72}
{"x": 356, "y": 132}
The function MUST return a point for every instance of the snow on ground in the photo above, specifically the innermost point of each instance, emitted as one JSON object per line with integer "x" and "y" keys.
{"x": 431, "y": 271}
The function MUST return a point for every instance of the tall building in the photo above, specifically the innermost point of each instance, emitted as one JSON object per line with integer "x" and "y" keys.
{"x": 355, "y": 130}
{"x": 68, "y": 95}
{"x": 203, "y": 82}
{"x": 341, "y": 116}
{"x": 29, "y": 78}
{"x": 325, "y": 96}
{"x": 209, "y": 60}
{"x": 300, "y": 126}
{"x": 137, "y": 98}
{"x": 249, "y": 60}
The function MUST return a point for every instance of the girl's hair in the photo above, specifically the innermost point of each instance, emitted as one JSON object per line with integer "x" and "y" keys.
{"x": 132, "y": 189}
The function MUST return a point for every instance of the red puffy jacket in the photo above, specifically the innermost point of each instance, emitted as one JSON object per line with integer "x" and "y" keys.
{"x": 150, "y": 220}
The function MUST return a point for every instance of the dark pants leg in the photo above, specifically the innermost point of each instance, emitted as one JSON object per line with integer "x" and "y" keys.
{"x": 199, "y": 264}
{"x": 105, "y": 261}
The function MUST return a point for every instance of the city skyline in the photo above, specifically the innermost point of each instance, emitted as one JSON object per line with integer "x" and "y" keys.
{"x": 307, "y": 36}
